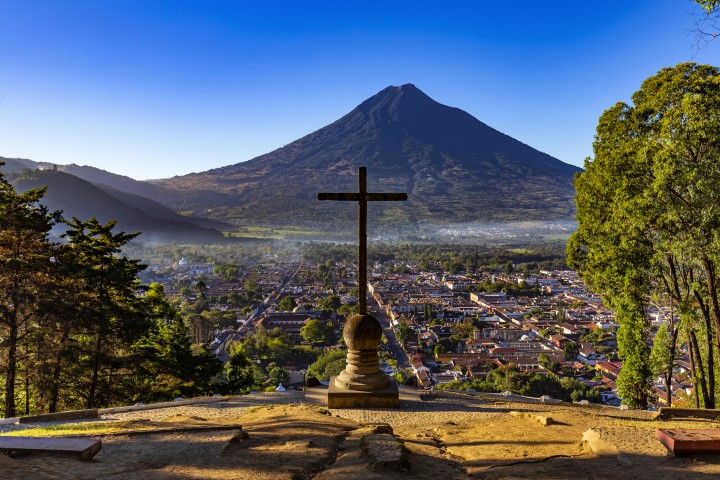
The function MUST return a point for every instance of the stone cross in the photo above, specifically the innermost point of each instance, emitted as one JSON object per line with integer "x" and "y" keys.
{"x": 361, "y": 384}
{"x": 362, "y": 197}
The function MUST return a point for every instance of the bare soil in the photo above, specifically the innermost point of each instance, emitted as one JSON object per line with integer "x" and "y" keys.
{"x": 444, "y": 437}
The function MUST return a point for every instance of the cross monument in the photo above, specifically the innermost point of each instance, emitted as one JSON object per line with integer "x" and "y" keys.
{"x": 362, "y": 384}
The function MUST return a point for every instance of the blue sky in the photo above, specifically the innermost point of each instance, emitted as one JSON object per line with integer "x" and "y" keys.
{"x": 156, "y": 88}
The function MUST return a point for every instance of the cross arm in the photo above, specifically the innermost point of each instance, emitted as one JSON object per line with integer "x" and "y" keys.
{"x": 386, "y": 197}
{"x": 371, "y": 197}
{"x": 354, "y": 197}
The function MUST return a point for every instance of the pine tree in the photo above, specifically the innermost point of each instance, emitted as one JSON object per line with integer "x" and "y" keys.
{"x": 111, "y": 311}
{"x": 25, "y": 254}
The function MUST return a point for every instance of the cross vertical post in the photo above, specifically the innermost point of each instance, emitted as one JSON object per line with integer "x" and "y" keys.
{"x": 362, "y": 197}
{"x": 362, "y": 240}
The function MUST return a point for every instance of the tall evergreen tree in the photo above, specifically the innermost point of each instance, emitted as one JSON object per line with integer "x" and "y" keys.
{"x": 111, "y": 311}
{"x": 25, "y": 253}
{"x": 170, "y": 366}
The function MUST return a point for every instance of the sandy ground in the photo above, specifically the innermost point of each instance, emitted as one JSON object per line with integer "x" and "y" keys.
{"x": 447, "y": 436}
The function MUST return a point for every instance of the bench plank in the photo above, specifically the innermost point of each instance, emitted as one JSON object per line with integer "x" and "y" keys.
{"x": 684, "y": 441}
{"x": 711, "y": 414}
{"x": 84, "y": 448}
{"x": 61, "y": 416}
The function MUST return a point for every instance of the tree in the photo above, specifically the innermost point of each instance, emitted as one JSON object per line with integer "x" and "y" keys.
{"x": 655, "y": 174}
{"x": 171, "y": 367}
{"x": 227, "y": 272}
{"x": 315, "y": 331}
{"x": 277, "y": 374}
{"x": 661, "y": 359}
{"x": 25, "y": 262}
{"x": 571, "y": 350}
{"x": 709, "y": 5}
{"x": 349, "y": 309}
{"x": 239, "y": 371}
{"x": 405, "y": 332}
{"x": 111, "y": 311}
{"x": 202, "y": 289}
{"x": 464, "y": 329}
{"x": 328, "y": 364}
{"x": 287, "y": 304}
{"x": 544, "y": 361}
{"x": 332, "y": 303}
{"x": 707, "y": 25}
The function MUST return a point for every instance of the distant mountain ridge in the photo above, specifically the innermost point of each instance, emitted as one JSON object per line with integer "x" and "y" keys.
{"x": 77, "y": 197}
{"x": 453, "y": 167}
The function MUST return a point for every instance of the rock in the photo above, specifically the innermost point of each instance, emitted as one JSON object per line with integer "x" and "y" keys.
{"x": 384, "y": 452}
{"x": 544, "y": 421}
{"x": 599, "y": 446}
{"x": 376, "y": 428}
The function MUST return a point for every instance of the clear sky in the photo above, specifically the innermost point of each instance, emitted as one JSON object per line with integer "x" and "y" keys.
{"x": 156, "y": 88}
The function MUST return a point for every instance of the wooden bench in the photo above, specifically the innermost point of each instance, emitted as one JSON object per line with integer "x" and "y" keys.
{"x": 61, "y": 416}
{"x": 665, "y": 412}
{"x": 84, "y": 448}
{"x": 686, "y": 441}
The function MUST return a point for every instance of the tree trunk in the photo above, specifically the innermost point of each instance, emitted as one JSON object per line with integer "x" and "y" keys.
{"x": 91, "y": 400}
{"x": 711, "y": 369}
{"x": 695, "y": 350}
{"x": 709, "y": 269}
{"x": 669, "y": 371}
{"x": 11, "y": 370}
{"x": 694, "y": 373}
{"x": 57, "y": 370}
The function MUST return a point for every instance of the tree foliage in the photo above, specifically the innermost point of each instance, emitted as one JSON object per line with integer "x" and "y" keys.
{"x": 287, "y": 304}
{"x": 328, "y": 364}
{"x": 511, "y": 379}
{"x": 25, "y": 263}
{"x": 648, "y": 217}
{"x": 78, "y": 329}
{"x": 318, "y": 332}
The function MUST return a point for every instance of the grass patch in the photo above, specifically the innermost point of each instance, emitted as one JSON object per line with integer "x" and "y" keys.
{"x": 556, "y": 236}
{"x": 89, "y": 428}
{"x": 275, "y": 233}
{"x": 260, "y": 407}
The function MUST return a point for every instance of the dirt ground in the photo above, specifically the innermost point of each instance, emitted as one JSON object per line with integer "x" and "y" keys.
{"x": 444, "y": 437}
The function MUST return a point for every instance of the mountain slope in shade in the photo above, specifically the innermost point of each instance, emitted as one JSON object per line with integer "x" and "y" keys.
{"x": 19, "y": 164}
{"x": 78, "y": 198}
{"x": 134, "y": 193}
{"x": 93, "y": 175}
{"x": 113, "y": 180}
{"x": 453, "y": 167}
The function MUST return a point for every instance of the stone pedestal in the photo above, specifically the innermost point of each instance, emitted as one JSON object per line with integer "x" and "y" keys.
{"x": 362, "y": 384}
{"x": 386, "y": 397}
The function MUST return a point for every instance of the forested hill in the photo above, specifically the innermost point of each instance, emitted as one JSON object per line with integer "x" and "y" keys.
{"x": 78, "y": 198}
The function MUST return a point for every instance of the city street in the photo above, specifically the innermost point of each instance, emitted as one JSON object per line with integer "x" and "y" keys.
{"x": 393, "y": 343}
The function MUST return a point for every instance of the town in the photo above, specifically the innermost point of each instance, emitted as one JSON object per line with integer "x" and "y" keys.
{"x": 444, "y": 328}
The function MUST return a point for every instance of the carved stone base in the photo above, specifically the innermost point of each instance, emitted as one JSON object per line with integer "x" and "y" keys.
{"x": 362, "y": 372}
{"x": 387, "y": 397}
